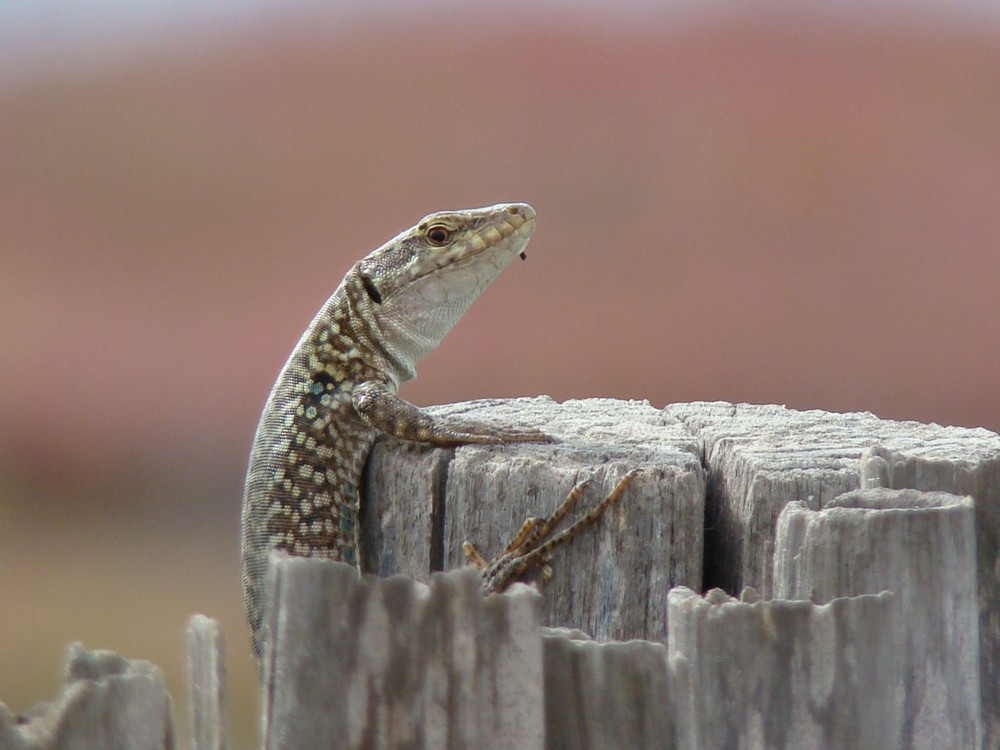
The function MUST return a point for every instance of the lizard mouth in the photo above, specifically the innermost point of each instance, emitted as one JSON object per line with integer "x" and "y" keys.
{"x": 484, "y": 242}
{"x": 502, "y": 234}
{"x": 460, "y": 274}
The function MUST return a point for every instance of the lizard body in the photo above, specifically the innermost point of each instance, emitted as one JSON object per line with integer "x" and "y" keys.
{"x": 338, "y": 387}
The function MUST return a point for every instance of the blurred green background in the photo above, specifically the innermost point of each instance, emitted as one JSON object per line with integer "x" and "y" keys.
{"x": 748, "y": 202}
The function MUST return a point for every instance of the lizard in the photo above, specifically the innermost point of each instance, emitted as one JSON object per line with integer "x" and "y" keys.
{"x": 337, "y": 391}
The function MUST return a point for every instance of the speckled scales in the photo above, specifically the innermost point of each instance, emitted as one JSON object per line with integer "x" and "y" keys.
{"x": 315, "y": 432}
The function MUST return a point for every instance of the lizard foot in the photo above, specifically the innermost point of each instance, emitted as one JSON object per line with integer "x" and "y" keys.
{"x": 468, "y": 432}
{"x": 532, "y": 546}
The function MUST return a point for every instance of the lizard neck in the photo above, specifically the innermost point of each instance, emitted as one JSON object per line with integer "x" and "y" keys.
{"x": 391, "y": 344}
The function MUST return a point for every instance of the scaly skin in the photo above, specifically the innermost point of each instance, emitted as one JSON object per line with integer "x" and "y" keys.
{"x": 338, "y": 388}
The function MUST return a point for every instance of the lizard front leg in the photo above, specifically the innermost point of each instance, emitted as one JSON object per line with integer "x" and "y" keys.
{"x": 379, "y": 406}
{"x": 382, "y": 409}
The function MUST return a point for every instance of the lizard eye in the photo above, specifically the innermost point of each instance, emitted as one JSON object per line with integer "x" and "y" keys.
{"x": 438, "y": 234}
{"x": 373, "y": 292}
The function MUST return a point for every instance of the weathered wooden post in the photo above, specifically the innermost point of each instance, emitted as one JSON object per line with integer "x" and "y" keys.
{"x": 108, "y": 701}
{"x": 207, "y": 681}
{"x": 760, "y": 458}
{"x": 922, "y": 547}
{"x": 820, "y": 513}
{"x": 420, "y": 504}
{"x": 389, "y": 663}
{"x": 785, "y": 674}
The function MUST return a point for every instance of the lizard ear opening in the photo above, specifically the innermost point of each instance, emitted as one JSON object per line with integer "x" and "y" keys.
{"x": 373, "y": 292}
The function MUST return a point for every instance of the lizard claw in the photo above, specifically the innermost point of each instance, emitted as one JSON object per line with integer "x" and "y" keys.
{"x": 525, "y": 435}
{"x": 533, "y": 545}
{"x": 480, "y": 433}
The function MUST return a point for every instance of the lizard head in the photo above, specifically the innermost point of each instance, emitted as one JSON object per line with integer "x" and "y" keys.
{"x": 417, "y": 286}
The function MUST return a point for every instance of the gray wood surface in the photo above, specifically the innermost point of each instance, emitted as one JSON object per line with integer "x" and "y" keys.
{"x": 207, "y": 684}
{"x": 784, "y": 675}
{"x": 390, "y": 663}
{"x": 11, "y": 731}
{"x": 607, "y": 696}
{"x": 800, "y": 505}
{"x": 759, "y": 458}
{"x": 613, "y": 580}
{"x": 922, "y": 547}
{"x": 108, "y": 702}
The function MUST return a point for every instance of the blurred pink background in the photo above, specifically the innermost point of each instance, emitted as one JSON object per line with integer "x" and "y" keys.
{"x": 776, "y": 205}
